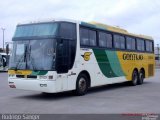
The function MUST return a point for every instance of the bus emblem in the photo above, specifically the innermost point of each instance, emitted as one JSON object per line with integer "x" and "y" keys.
{"x": 86, "y": 56}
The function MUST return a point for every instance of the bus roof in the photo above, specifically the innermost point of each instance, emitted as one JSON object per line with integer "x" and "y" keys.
{"x": 95, "y": 25}
{"x": 118, "y": 30}
{"x": 47, "y": 21}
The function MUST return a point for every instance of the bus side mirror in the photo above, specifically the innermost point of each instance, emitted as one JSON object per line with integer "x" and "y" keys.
{"x": 7, "y": 49}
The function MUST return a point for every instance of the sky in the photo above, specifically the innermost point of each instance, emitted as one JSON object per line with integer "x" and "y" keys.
{"x": 136, "y": 16}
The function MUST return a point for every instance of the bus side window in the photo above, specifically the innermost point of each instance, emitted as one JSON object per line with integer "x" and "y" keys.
{"x": 92, "y": 38}
{"x": 130, "y": 43}
{"x": 84, "y": 39}
{"x": 140, "y": 45}
{"x": 143, "y": 45}
{"x": 87, "y": 37}
{"x": 147, "y": 46}
{"x": 151, "y": 46}
{"x": 105, "y": 40}
{"x": 119, "y": 41}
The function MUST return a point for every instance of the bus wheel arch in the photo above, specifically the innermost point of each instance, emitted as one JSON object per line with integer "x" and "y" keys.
{"x": 82, "y": 83}
{"x": 88, "y": 76}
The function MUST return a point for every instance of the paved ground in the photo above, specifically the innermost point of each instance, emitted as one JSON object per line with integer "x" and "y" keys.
{"x": 118, "y": 98}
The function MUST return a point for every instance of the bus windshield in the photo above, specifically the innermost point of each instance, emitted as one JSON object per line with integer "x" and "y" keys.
{"x": 36, "y": 30}
{"x": 34, "y": 45}
{"x": 33, "y": 55}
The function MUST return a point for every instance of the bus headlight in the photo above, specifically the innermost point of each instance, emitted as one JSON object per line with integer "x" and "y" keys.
{"x": 11, "y": 76}
{"x": 43, "y": 77}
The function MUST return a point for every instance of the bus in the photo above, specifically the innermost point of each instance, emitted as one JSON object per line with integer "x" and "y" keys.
{"x": 67, "y": 55}
{"x": 3, "y": 62}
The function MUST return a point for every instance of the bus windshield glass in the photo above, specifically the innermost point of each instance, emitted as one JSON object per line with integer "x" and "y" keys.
{"x": 36, "y": 30}
{"x": 34, "y": 45}
{"x": 33, "y": 55}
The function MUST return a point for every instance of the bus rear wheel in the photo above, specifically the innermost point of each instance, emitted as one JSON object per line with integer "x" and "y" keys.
{"x": 134, "y": 78}
{"x": 141, "y": 78}
{"x": 81, "y": 85}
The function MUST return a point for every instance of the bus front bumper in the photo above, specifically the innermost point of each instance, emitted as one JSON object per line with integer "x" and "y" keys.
{"x": 47, "y": 86}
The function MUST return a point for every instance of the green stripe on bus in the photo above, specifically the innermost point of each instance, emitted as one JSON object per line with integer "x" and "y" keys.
{"x": 103, "y": 63}
{"x": 114, "y": 62}
{"x": 39, "y": 72}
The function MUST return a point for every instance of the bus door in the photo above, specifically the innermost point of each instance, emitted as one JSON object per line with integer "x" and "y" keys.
{"x": 62, "y": 59}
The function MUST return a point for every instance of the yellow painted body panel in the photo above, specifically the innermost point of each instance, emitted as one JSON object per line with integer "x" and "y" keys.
{"x": 129, "y": 63}
{"x": 20, "y": 72}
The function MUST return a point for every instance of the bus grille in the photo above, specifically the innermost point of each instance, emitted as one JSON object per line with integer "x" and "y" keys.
{"x": 150, "y": 70}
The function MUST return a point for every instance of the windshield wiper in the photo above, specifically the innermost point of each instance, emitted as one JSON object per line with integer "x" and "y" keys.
{"x": 31, "y": 59}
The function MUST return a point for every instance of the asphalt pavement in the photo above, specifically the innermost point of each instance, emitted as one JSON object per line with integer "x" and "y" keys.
{"x": 117, "y": 98}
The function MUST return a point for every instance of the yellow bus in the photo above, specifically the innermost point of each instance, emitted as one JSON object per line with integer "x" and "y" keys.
{"x": 63, "y": 55}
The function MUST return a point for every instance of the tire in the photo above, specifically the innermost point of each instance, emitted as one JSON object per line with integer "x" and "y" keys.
{"x": 134, "y": 78}
{"x": 141, "y": 78}
{"x": 81, "y": 85}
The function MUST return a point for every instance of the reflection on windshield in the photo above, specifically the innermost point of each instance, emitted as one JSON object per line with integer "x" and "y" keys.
{"x": 46, "y": 29}
{"x": 20, "y": 49}
{"x": 40, "y": 55}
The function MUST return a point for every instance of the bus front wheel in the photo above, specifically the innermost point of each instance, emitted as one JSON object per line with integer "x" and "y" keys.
{"x": 81, "y": 85}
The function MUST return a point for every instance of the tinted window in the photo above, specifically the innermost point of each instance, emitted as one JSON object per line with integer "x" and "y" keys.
{"x": 105, "y": 40}
{"x": 119, "y": 42}
{"x": 130, "y": 43}
{"x": 140, "y": 45}
{"x": 149, "y": 46}
{"x": 84, "y": 38}
{"x": 87, "y": 37}
{"x": 34, "y": 30}
{"x": 143, "y": 45}
{"x": 92, "y": 37}
{"x": 68, "y": 30}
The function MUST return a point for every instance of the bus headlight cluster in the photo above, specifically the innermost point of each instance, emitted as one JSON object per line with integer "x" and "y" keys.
{"x": 11, "y": 76}
{"x": 43, "y": 77}
{"x": 46, "y": 77}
